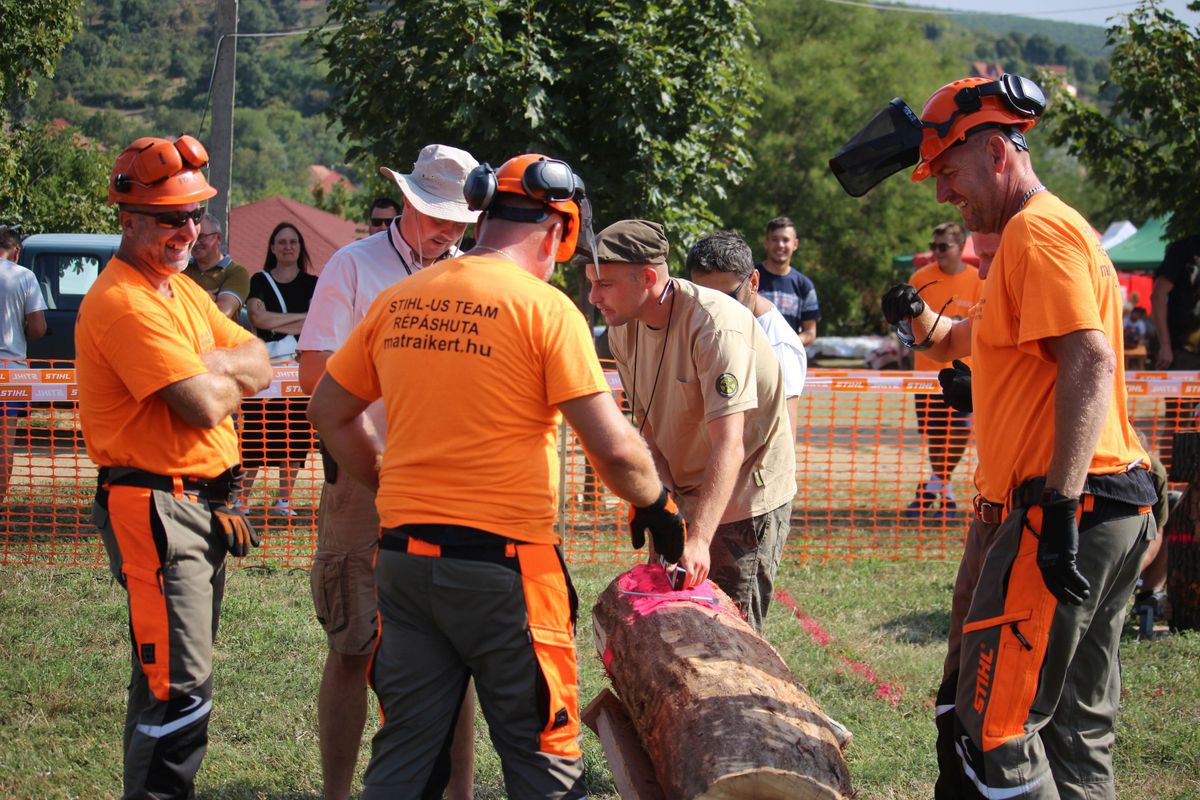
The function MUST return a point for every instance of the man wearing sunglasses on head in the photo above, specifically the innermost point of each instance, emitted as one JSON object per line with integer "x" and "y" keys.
{"x": 160, "y": 370}
{"x": 477, "y": 360}
{"x": 343, "y": 585}
{"x": 1031, "y": 710}
{"x": 951, "y": 283}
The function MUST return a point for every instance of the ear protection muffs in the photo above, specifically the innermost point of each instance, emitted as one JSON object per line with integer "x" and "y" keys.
{"x": 549, "y": 181}
{"x": 157, "y": 171}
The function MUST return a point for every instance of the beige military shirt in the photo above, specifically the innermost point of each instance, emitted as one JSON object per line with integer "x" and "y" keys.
{"x": 712, "y": 359}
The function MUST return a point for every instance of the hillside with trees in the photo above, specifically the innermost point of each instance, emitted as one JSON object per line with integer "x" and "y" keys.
{"x": 719, "y": 113}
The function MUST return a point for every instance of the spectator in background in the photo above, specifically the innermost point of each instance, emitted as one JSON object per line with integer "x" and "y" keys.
{"x": 723, "y": 261}
{"x": 21, "y": 319}
{"x": 227, "y": 283}
{"x": 343, "y": 582}
{"x": 1175, "y": 310}
{"x": 276, "y": 432}
{"x": 952, "y": 286}
{"x": 787, "y": 289}
{"x": 381, "y": 213}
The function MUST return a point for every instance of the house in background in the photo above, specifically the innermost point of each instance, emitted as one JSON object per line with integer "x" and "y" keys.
{"x": 250, "y": 227}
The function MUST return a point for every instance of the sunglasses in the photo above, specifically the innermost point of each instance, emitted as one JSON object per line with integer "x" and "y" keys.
{"x": 172, "y": 219}
{"x": 941, "y": 247}
{"x": 381, "y": 222}
{"x": 738, "y": 290}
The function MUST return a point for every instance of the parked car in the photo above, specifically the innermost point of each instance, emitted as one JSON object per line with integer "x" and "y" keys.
{"x": 66, "y": 266}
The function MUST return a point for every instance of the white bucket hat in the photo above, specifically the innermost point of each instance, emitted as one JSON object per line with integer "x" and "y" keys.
{"x": 435, "y": 185}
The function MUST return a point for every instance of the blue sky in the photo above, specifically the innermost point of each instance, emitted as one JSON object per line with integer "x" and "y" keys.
{"x": 1087, "y": 12}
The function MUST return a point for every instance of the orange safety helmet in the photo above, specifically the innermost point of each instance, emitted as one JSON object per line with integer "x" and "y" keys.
{"x": 159, "y": 172}
{"x": 956, "y": 108}
{"x": 537, "y": 177}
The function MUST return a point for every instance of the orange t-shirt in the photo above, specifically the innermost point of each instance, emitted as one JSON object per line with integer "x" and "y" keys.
{"x": 1050, "y": 277}
{"x": 471, "y": 357}
{"x": 131, "y": 342}
{"x": 961, "y": 290}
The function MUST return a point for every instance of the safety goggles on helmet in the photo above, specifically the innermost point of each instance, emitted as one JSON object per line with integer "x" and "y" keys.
{"x": 896, "y": 137}
{"x": 154, "y": 171}
{"x": 1019, "y": 94}
{"x": 174, "y": 219}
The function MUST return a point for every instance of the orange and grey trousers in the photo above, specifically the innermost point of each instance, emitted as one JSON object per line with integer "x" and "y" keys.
{"x": 486, "y": 607}
{"x": 1027, "y": 706}
{"x": 158, "y": 533}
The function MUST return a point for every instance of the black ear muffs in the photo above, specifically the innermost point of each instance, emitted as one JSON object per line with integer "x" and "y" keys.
{"x": 122, "y": 183}
{"x": 480, "y": 187}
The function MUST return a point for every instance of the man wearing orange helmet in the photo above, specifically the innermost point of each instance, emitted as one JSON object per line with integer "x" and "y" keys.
{"x": 476, "y": 360}
{"x": 160, "y": 369}
{"x": 1031, "y": 710}
{"x": 343, "y": 586}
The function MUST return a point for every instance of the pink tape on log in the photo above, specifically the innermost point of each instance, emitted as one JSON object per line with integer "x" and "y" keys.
{"x": 651, "y": 579}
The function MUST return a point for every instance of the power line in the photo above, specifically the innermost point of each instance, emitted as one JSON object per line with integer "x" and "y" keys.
{"x": 960, "y": 12}
{"x": 217, "y": 55}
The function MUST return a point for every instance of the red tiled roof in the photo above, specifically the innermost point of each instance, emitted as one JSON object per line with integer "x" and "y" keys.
{"x": 250, "y": 227}
{"x": 326, "y": 179}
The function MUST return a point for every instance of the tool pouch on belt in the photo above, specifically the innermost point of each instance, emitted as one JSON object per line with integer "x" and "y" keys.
{"x": 99, "y": 514}
{"x": 329, "y": 466}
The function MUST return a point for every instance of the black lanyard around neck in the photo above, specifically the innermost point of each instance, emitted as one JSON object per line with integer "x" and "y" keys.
{"x": 403, "y": 260}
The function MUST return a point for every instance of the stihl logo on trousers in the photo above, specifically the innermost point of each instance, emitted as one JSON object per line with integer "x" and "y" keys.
{"x": 983, "y": 677}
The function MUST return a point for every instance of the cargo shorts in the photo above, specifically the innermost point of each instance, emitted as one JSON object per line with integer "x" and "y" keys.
{"x": 745, "y": 557}
{"x": 343, "y": 572}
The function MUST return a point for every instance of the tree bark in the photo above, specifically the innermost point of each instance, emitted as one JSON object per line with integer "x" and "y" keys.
{"x": 714, "y": 705}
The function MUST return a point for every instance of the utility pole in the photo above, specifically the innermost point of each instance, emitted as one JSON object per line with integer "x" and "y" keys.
{"x": 220, "y": 144}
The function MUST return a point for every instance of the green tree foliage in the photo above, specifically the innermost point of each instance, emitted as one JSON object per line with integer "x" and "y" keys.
{"x": 819, "y": 90}
{"x": 1147, "y": 148}
{"x": 650, "y": 102}
{"x": 56, "y": 182}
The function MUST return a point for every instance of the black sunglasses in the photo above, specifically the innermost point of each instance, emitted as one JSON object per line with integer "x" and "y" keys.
{"x": 380, "y": 222}
{"x": 738, "y": 290}
{"x": 172, "y": 219}
{"x": 941, "y": 247}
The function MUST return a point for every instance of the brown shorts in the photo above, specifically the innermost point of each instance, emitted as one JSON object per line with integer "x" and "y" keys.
{"x": 343, "y": 572}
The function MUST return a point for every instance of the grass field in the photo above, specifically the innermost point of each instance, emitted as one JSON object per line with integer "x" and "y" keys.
{"x": 869, "y": 649}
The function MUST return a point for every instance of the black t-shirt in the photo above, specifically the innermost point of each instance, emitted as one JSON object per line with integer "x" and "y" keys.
{"x": 1181, "y": 266}
{"x": 297, "y": 293}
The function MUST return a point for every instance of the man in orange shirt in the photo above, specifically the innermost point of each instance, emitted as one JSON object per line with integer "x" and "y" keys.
{"x": 953, "y": 285}
{"x": 1060, "y": 467}
{"x": 160, "y": 370}
{"x": 470, "y": 579}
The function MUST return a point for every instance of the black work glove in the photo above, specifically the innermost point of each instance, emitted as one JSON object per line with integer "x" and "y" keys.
{"x": 902, "y": 302}
{"x": 666, "y": 525}
{"x": 1057, "y": 547}
{"x": 956, "y": 386}
{"x": 238, "y": 532}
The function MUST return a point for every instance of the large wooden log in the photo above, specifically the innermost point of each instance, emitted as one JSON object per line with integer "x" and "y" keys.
{"x": 714, "y": 705}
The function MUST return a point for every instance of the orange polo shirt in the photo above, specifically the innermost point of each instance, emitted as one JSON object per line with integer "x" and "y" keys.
{"x": 471, "y": 357}
{"x": 957, "y": 292}
{"x": 131, "y": 342}
{"x": 1050, "y": 278}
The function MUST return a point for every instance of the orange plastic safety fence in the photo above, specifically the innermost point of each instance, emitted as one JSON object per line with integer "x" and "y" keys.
{"x": 863, "y": 467}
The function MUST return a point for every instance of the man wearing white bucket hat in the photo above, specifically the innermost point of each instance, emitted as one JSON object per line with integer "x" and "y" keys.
{"x": 343, "y": 584}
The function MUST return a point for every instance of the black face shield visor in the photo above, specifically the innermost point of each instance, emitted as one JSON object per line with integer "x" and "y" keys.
{"x": 887, "y": 144}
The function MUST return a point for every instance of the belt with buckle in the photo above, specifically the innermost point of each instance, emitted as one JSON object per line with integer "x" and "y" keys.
{"x": 988, "y": 512}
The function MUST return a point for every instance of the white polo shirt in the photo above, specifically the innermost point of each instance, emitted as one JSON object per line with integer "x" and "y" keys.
{"x": 788, "y": 349}
{"x": 353, "y": 277}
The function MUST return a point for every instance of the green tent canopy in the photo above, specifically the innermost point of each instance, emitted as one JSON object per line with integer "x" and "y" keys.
{"x": 1143, "y": 251}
